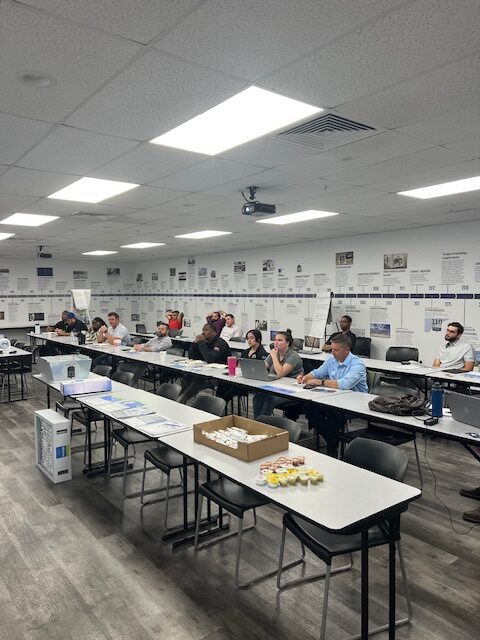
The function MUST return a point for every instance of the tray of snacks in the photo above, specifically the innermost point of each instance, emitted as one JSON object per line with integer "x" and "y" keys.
{"x": 288, "y": 472}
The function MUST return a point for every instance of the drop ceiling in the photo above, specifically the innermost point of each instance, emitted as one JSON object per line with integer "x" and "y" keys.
{"x": 127, "y": 71}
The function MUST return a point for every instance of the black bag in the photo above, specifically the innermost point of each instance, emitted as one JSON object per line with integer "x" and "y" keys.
{"x": 403, "y": 406}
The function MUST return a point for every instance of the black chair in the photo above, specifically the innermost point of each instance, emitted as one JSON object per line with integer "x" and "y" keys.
{"x": 238, "y": 500}
{"x": 163, "y": 457}
{"x": 362, "y": 347}
{"x": 297, "y": 344}
{"x": 210, "y": 404}
{"x": 374, "y": 456}
{"x": 125, "y": 437}
{"x": 397, "y": 354}
{"x": 169, "y": 390}
{"x": 175, "y": 351}
{"x": 175, "y": 333}
{"x": 140, "y": 328}
{"x": 102, "y": 370}
{"x": 136, "y": 369}
{"x": 293, "y": 428}
{"x": 391, "y": 435}
{"x": 238, "y": 339}
{"x": 401, "y": 354}
{"x": 136, "y": 340}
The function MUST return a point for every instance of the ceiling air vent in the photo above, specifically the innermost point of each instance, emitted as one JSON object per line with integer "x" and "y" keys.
{"x": 326, "y": 132}
{"x": 89, "y": 215}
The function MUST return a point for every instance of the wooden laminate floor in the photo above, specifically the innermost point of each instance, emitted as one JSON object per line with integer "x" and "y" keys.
{"x": 78, "y": 563}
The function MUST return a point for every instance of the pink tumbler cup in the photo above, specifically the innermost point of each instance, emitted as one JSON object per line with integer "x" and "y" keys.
{"x": 232, "y": 365}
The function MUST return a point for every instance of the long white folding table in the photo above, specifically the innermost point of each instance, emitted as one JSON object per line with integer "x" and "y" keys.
{"x": 18, "y": 357}
{"x": 349, "y": 499}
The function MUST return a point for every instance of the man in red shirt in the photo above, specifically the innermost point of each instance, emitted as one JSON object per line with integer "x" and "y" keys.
{"x": 174, "y": 319}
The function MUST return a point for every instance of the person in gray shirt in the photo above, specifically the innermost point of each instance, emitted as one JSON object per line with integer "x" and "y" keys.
{"x": 282, "y": 361}
{"x": 161, "y": 342}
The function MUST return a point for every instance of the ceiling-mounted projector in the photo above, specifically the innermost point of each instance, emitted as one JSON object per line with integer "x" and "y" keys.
{"x": 253, "y": 207}
{"x": 257, "y": 208}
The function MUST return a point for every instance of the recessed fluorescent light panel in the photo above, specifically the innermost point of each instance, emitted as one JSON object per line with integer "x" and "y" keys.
{"x": 28, "y": 219}
{"x": 92, "y": 190}
{"x": 142, "y": 245}
{"x": 4, "y": 236}
{"x": 300, "y": 216}
{"x": 200, "y": 235}
{"x": 444, "y": 189}
{"x": 98, "y": 253}
{"x": 247, "y": 115}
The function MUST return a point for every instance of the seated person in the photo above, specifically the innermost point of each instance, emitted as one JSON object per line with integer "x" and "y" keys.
{"x": 345, "y": 324}
{"x": 61, "y": 324}
{"x": 73, "y": 325}
{"x": 208, "y": 347}
{"x": 456, "y": 354}
{"x": 230, "y": 330}
{"x": 174, "y": 320}
{"x": 115, "y": 330}
{"x": 284, "y": 362}
{"x": 342, "y": 370}
{"x": 217, "y": 320}
{"x": 92, "y": 332}
{"x": 161, "y": 341}
{"x": 255, "y": 347}
{"x": 256, "y": 351}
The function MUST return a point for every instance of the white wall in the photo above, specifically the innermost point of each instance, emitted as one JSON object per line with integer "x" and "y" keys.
{"x": 435, "y": 280}
{"x": 402, "y": 306}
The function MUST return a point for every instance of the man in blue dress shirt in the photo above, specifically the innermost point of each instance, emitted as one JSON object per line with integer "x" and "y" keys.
{"x": 342, "y": 370}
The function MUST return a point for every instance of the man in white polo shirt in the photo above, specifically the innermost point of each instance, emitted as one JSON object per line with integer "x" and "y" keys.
{"x": 456, "y": 354}
{"x": 230, "y": 330}
{"x": 114, "y": 331}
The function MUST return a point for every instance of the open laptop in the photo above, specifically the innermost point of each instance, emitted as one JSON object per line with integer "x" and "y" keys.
{"x": 255, "y": 370}
{"x": 464, "y": 408}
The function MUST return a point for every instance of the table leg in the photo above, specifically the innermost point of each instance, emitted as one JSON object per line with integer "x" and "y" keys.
{"x": 394, "y": 526}
{"x": 364, "y": 586}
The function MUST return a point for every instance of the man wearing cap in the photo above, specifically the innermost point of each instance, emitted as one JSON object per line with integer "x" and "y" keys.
{"x": 73, "y": 325}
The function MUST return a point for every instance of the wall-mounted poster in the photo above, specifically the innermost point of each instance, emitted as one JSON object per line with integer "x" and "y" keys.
{"x": 343, "y": 258}
{"x": 239, "y": 266}
{"x": 395, "y": 261}
{"x": 268, "y": 265}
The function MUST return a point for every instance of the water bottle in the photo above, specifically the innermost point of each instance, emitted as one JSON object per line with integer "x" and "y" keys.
{"x": 73, "y": 338}
{"x": 437, "y": 400}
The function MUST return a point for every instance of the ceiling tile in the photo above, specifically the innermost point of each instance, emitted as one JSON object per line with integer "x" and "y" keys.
{"x": 139, "y": 20}
{"x": 445, "y": 89}
{"x": 17, "y": 135}
{"x": 254, "y": 38}
{"x": 79, "y": 60}
{"x": 14, "y": 203}
{"x": 33, "y": 183}
{"x": 157, "y": 92}
{"x": 146, "y": 163}
{"x": 413, "y": 163}
{"x": 74, "y": 151}
{"x": 143, "y": 197}
{"x": 207, "y": 175}
{"x": 450, "y": 127}
{"x": 383, "y": 54}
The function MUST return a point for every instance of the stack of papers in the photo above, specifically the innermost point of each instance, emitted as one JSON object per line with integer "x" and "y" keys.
{"x": 155, "y": 425}
{"x": 118, "y": 408}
